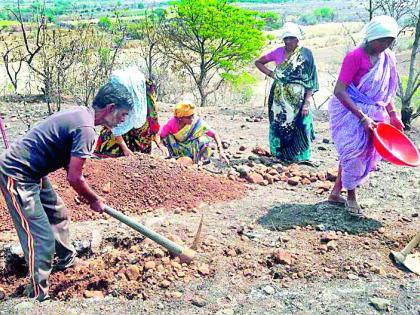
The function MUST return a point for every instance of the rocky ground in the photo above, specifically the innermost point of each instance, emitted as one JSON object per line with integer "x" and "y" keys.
{"x": 270, "y": 243}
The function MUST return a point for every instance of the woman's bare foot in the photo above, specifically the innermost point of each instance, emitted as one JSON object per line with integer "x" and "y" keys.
{"x": 353, "y": 208}
{"x": 336, "y": 198}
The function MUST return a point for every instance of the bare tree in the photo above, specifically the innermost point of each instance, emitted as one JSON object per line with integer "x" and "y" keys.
{"x": 407, "y": 13}
{"x": 147, "y": 30}
{"x": 413, "y": 83}
{"x": 13, "y": 59}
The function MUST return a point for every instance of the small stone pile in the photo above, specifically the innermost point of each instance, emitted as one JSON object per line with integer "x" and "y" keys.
{"x": 256, "y": 173}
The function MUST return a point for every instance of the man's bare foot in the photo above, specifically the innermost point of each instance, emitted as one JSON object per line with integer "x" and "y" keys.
{"x": 354, "y": 209}
{"x": 337, "y": 199}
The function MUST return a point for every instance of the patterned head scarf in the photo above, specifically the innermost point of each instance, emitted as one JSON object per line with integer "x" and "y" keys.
{"x": 184, "y": 109}
{"x": 291, "y": 30}
{"x": 133, "y": 79}
{"x": 380, "y": 27}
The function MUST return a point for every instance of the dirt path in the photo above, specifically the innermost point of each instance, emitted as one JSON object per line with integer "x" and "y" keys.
{"x": 279, "y": 249}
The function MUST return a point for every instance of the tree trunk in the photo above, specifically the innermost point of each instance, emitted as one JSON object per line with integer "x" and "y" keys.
{"x": 203, "y": 96}
{"x": 406, "y": 114}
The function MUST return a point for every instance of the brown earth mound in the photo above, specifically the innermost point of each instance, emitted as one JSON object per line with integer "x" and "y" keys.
{"x": 139, "y": 184}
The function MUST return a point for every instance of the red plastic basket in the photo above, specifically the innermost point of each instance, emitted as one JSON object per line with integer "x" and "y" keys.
{"x": 394, "y": 146}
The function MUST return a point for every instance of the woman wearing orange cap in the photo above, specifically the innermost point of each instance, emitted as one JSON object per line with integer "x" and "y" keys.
{"x": 187, "y": 135}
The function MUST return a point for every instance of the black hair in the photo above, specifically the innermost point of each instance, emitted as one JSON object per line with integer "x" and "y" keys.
{"x": 113, "y": 93}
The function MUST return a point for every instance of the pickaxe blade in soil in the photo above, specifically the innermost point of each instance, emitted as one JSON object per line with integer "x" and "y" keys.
{"x": 197, "y": 237}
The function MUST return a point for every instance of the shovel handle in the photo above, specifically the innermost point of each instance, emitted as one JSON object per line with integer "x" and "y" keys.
{"x": 185, "y": 254}
{"x": 413, "y": 243}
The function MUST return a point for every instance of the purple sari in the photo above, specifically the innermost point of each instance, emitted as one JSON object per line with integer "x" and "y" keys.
{"x": 375, "y": 91}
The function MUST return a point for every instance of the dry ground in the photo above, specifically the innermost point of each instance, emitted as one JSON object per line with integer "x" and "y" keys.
{"x": 241, "y": 236}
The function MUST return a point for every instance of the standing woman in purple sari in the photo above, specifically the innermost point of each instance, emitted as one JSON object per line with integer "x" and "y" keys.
{"x": 363, "y": 96}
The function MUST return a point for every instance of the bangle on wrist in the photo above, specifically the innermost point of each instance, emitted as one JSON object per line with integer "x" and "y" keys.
{"x": 363, "y": 119}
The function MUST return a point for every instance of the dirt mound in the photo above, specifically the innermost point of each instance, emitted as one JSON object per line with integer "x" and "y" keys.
{"x": 140, "y": 184}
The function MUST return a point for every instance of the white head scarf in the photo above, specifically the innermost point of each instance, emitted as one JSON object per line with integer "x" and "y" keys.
{"x": 133, "y": 79}
{"x": 380, "y": 27}
{"x": 291, "y": 30}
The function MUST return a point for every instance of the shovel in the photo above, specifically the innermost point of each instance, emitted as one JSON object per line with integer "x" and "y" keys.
{"x": 411, "y": 262}
{"x": 186, "y": 255}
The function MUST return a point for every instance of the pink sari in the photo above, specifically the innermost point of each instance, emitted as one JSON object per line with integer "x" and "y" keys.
{"x": 356, "y": 152}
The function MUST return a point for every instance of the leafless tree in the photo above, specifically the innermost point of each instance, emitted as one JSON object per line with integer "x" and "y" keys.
{"x": 407, "y": 13}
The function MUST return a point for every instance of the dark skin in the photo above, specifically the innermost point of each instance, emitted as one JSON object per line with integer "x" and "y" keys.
{"x": 373, "y": 49}
{"x": 109, "y": 117}
{"x": 290, "y": 44}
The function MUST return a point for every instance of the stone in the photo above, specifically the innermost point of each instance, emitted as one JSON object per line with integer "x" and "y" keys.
{"x": 324, "y": 185}
{"x": 269, "y": 290}
{"x": 325, "y": 140}
{"x": 323, "y": 248}
{"x": 204, "y": 270}
{"x": 231, "y": 253}
{"x": 269, "y": 178}
{"x": 332, "y": 174}
{"x": 306, "y": 181}
{"x": 176, "y": 265}
{"x": 93, "y": 294}
{"x": 132, "y": 272}
{"x": 330, "y": 236}
{"x": 255, "y": 178}
{"x": 107, "y": 188}
{"x": 150, "y": 265}
{"x": 352, "y": 276}
{"x": 159, "y": 253}
{"x": 242, "y": 148}
{"x": 185, "y": 161}
{"x": 322, "y": 176}
{"x": 322, "y": 148}
{"x": 332, "y": 245}
{"x": 282, "y": 257}
{"x": 294, "y": 181}
{"x": 379, "y": 270}
{"x": 380, "y": 304}
{"x": 198, "y": 301}
{"x": 165, "y": 284}
{"x": 381, "y": 230}
{"x": 176, "y": 294}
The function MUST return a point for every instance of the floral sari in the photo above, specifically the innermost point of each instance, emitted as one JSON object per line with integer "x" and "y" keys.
{"x": 137, "y": 139}
{"x": 190, "y": 141}
{"x": 291, "y": 133}
{"x": 375, "y": 91}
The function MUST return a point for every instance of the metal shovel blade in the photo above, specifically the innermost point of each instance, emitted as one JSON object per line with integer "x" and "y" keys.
{"x": 412, "y": 262}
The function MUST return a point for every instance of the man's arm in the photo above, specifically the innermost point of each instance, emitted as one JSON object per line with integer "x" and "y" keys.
{"x": 79, "y": 184}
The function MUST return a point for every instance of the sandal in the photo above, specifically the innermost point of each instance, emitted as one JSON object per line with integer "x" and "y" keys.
{"x": 354, "y": 209}
{"x": 336, "y": 199}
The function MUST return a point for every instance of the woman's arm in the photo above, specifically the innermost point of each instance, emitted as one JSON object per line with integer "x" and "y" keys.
{"x": 340, "y": 91}
{"x": 393, "y": 117}
{"x": 306, "y": 102}
{"x": 218, "y": 141}
{"x": 123, "y": 146}
{"x": 260, "y": 64}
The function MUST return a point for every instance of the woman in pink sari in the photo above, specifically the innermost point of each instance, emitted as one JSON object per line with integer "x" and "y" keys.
{"x": 363, "y": 95}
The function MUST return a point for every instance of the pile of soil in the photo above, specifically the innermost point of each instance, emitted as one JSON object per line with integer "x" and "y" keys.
{"x": 126, "y": 268}
{"x": 139, "y": 184}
